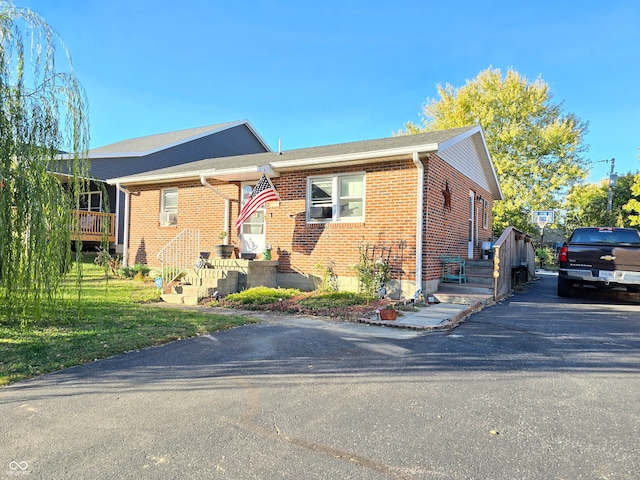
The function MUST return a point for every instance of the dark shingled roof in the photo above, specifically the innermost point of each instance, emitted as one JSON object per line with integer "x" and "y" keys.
{"x": 150, "y": 143}
{"x": 259, "y": 159}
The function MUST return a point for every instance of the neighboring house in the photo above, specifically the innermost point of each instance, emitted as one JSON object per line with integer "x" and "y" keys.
{"x": 152, "y": 152}
{"x": 422, "y": 195}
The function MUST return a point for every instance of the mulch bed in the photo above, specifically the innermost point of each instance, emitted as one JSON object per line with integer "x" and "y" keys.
{"x": 292, "y": 306}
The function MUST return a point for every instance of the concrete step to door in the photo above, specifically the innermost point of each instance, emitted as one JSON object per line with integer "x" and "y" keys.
{"x": 478, "y": 279}
{"x": 476, "y": 262}
{"x": 173, "y": 298}
{"x": 463, "y": 298}
{"x": 464, "y": 288}
{"x": 190, "y": 300}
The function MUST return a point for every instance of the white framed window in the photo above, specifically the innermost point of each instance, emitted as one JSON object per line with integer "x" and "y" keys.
{"x": 90, "y": 201}
{"x": 169, "y": 206}
{"x": 336, "y": 198}
{"x": 485, "y": 214}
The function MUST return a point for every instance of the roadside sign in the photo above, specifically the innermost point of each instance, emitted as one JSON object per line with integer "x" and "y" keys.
{"x": 158, "y": 282}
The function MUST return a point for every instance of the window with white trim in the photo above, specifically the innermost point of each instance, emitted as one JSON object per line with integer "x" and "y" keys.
{"x": 90, "y": 201}
{"x": 169, "y": 206}
{"x": 335, "y": 198}
{"x": 485, "y": 214}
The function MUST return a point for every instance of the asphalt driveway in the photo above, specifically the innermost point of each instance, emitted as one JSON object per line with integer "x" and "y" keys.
{"x": 532, "y": 387}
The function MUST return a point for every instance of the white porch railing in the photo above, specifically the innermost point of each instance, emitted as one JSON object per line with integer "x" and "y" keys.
{"x": 179, "y": 254}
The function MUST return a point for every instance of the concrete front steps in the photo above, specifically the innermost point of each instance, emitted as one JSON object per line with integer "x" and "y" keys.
{"x": 479, "y": 284}
{"x": 197, "y": 284}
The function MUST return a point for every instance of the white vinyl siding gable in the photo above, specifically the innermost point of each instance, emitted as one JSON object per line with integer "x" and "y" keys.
{"x": 463, "y": 156}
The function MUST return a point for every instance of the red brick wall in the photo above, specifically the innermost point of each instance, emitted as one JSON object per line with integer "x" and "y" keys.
{"x": 390, "y": 211}
{"x": 389, "y": 218}
{"x": 198, "y": 207}
{"x": 446, "y": 229}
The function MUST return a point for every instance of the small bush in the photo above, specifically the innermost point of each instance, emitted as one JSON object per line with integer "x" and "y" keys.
{"x": 138, "y": 270}
{"x": 323, "y": 301}
{"x": 373, "y": 268}
{"x": 104, "y": 259}
{"x": 330, "y": 281}
{"x": 261, "y": 295}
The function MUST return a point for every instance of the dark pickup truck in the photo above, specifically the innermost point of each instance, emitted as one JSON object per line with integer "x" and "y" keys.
{"x": 603, "y": 257}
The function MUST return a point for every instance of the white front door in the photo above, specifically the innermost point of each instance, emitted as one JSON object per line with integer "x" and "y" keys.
{"x": 252, "y": 235}
{"x": 471, "y": 224}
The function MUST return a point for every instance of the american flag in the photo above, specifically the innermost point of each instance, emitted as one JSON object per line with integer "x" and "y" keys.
{"x": 263, "y": 192}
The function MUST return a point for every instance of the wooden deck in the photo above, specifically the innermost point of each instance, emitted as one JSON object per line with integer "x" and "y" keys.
{"x": 93, "y": 225}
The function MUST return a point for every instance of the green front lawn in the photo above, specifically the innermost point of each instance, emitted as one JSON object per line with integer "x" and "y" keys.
{"x": 117, "y": 315}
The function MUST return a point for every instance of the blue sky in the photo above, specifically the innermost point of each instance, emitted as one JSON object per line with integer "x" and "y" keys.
{"x": 317, "y": 73}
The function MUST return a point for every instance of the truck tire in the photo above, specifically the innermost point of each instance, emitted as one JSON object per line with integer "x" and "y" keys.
{"x": 564, "y": 287}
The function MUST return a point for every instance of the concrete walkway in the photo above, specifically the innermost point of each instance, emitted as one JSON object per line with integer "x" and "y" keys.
{"x": 447, "y": 313}
{"x": 439, "y": 315}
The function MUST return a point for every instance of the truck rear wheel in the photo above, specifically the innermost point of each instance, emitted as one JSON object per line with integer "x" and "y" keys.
{"x": 564, "y": 287}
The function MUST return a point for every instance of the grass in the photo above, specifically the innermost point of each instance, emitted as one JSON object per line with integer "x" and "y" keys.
{"x": 119, "y": 315}
{"x": 116, "y": 316}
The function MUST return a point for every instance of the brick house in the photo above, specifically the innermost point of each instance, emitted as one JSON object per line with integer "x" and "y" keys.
{"x": 422, "y": 196}
{"x": 152, "y": 152}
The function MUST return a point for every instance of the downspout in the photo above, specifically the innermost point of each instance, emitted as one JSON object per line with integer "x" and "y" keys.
{"x": 419, "y": 231}
{"x": 125, "y": 240}
{"x": 227, "y": 205}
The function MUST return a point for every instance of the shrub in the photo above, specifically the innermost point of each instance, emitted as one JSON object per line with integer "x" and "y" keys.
{"x": 326, "y": 300}
{"x": 329, "y": 276}
{"x": 104, "y": 259}
{"x": 138, "y": 270}
{"x": 373, "y": 271}
{"x": 261, "y": 295}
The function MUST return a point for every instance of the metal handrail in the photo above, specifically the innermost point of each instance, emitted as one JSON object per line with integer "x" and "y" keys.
{"x": 179, "y": 254}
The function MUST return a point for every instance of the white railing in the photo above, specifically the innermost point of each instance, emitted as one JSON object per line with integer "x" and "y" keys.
{"x": 179, "y": 254}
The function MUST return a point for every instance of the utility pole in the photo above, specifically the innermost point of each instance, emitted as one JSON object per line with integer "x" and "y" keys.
{"x": 612, "y": 182}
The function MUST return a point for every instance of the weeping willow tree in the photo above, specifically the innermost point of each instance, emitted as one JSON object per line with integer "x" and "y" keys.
{"x": 42, "y": 115}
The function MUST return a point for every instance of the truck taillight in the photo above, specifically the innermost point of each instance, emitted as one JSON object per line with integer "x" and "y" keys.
{"x": 562, "y": 255}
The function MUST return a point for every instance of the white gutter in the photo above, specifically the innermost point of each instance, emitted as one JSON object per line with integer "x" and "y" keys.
{"x": 419, "y": 210}
{"x": 125, "y": 240}
{"x": 227, "y": 206}
{"x": 350, "y": 157}
{"x": 230, "y": 174}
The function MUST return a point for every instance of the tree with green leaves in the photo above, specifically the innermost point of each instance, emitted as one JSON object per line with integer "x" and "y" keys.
{"x": 536, "y": 148}
{"x": 42, "y": 113}
{"x": 632, "y": 207}
{"x": 587, "y": 204}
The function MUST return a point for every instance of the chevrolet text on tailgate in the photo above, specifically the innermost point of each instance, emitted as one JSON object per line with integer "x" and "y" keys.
{"x": 602, "y": 257}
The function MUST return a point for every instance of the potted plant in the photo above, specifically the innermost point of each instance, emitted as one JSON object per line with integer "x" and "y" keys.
{"x": 223, "y": 250}
{"x": 388, "y": 313}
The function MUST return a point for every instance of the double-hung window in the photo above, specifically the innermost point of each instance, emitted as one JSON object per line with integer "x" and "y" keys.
{"x": 169, "y": 206}
{"x": 90, "y": 201}
{"x": 335, "y": 198}
{"x": 485, "y": 214}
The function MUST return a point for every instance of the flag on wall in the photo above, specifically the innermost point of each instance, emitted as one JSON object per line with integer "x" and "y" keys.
{"x": 263, "y": 192}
